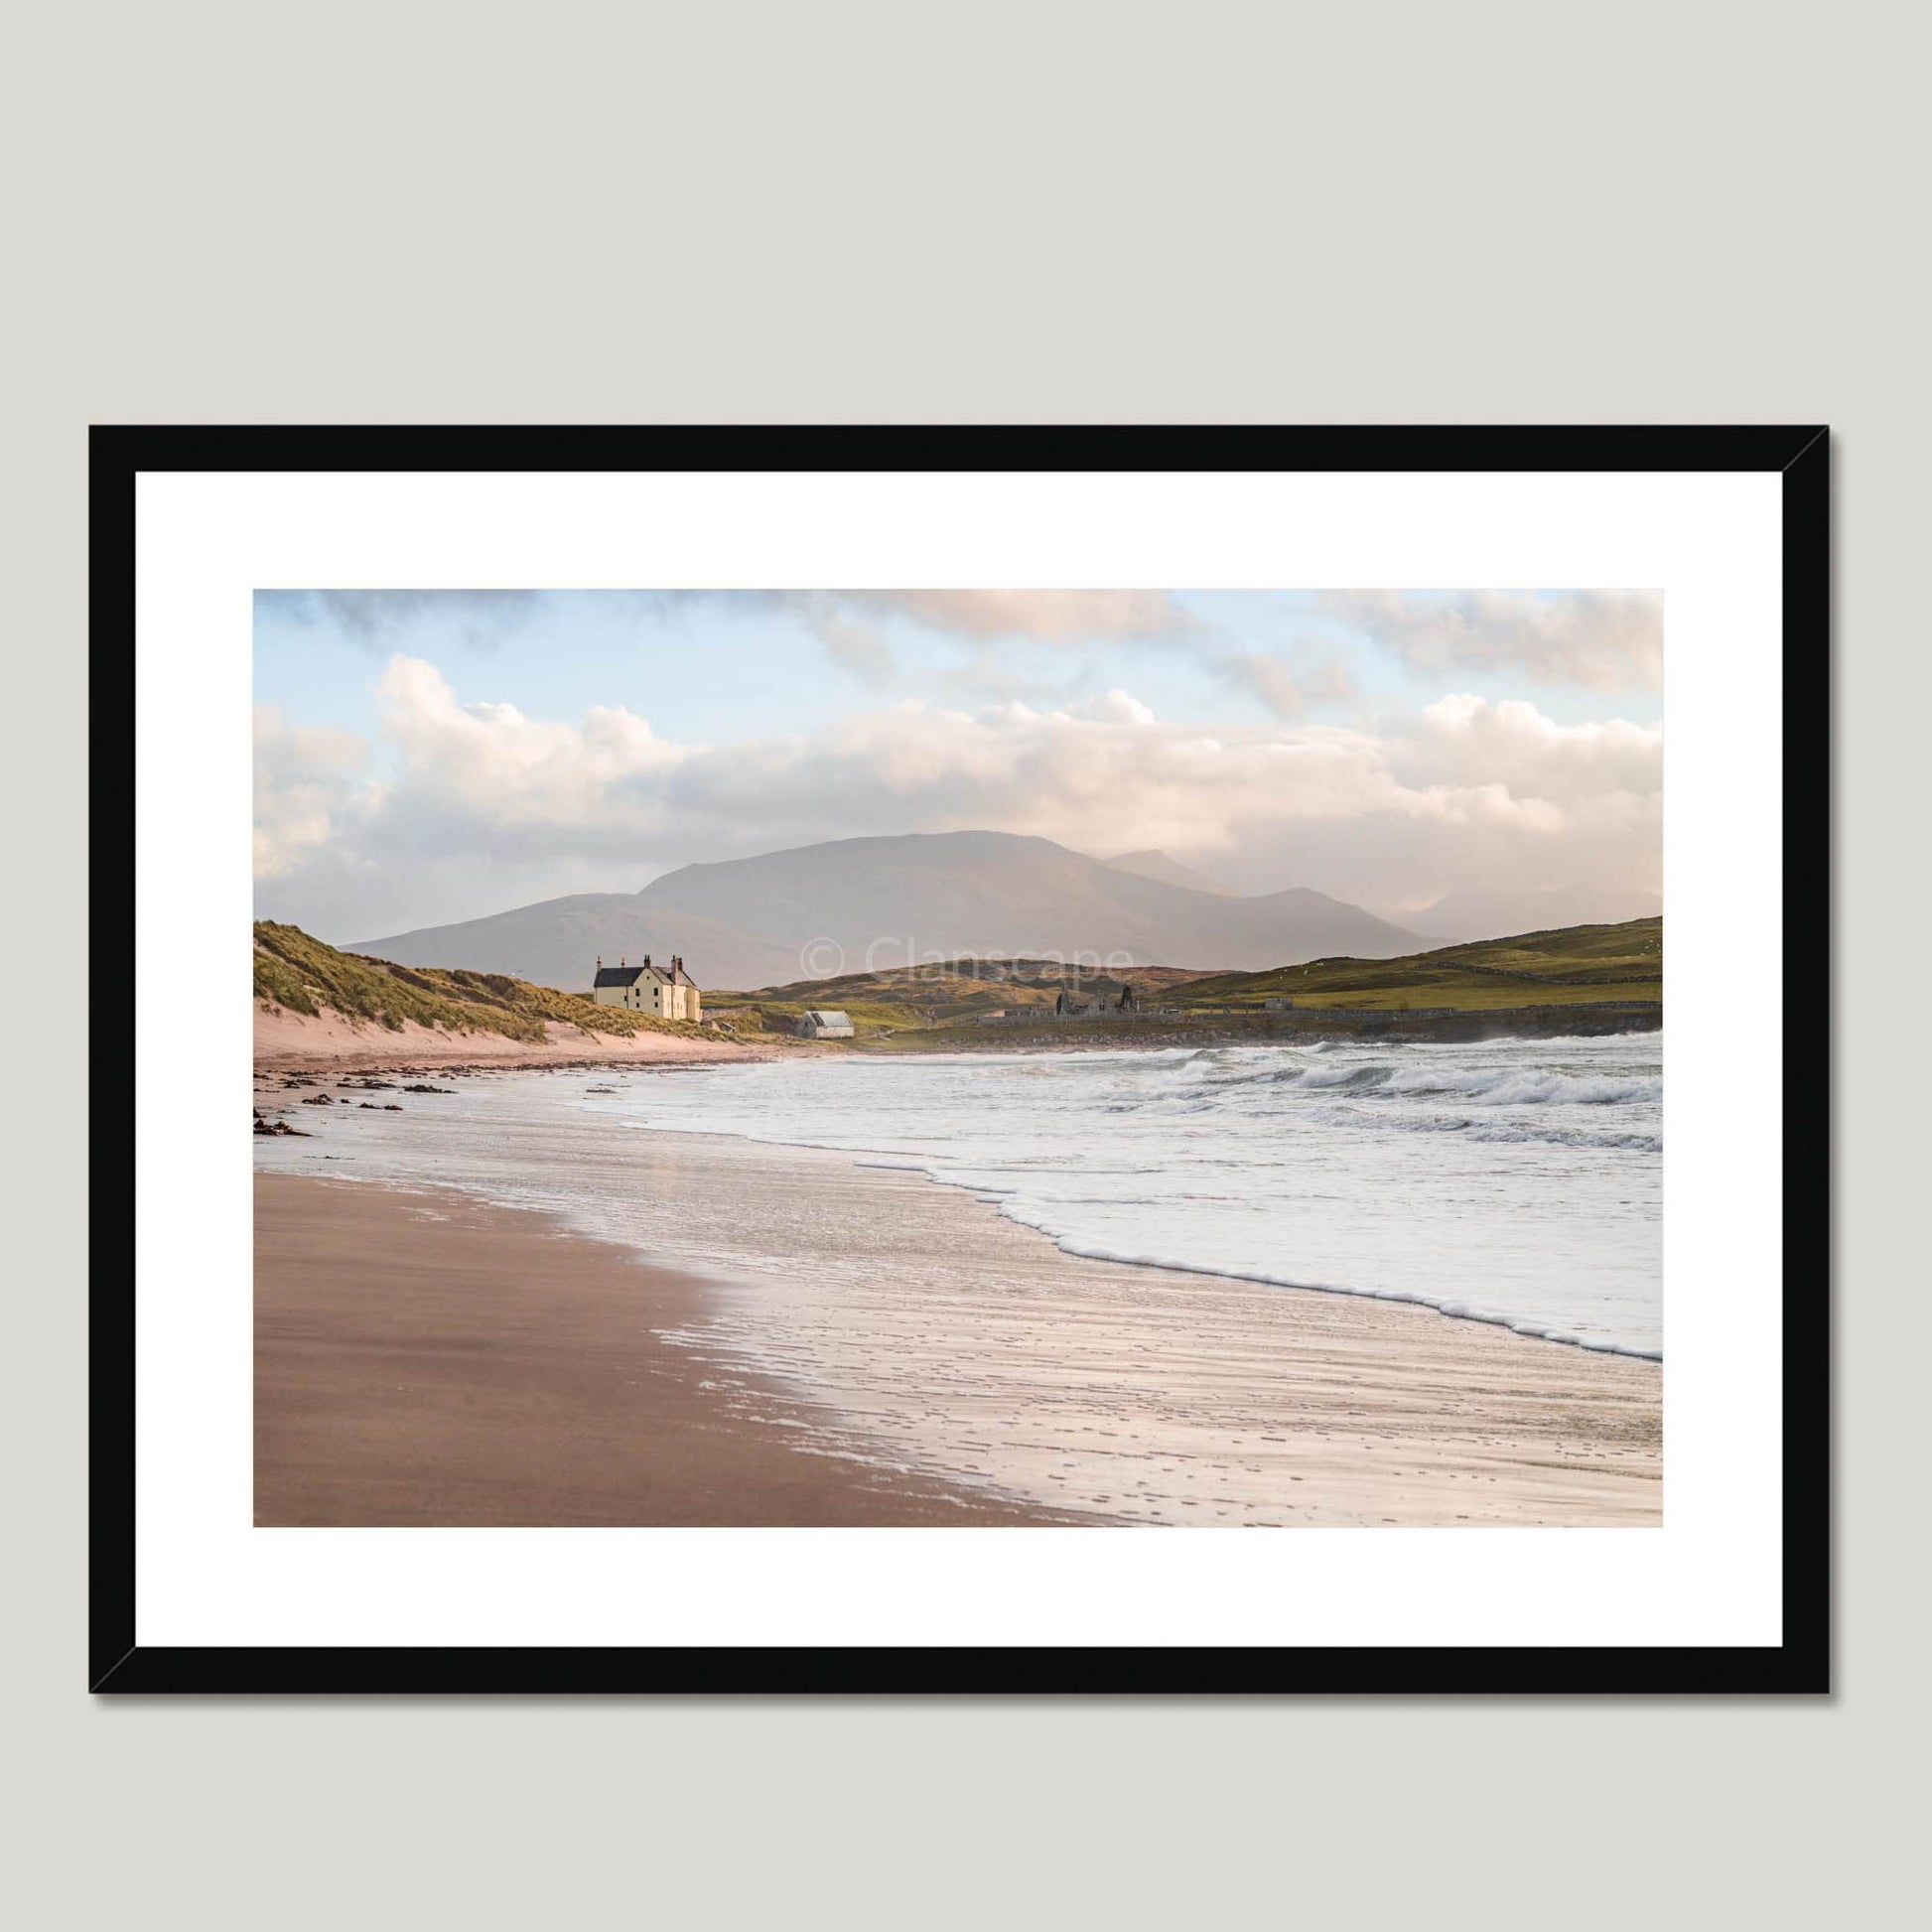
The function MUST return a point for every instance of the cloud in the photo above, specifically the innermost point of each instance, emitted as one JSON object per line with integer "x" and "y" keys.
{"x": 1601, "y": 640}
{"x": 530, "y": 777}
{"x": 1037, "y": 616}
{"x": 857, "y": 646}
{"x": 1285, "y": 689}
{"x": 479, "y": 619}
{"x": 1288, "y": 683}
{"x": 855, "y": 625}
{"x": 1114, "y": 707}
{"x": 484, "y": 807}
{"x": 850, "y": 623}
{"x": 1604, "y": 641}
{"x": 305, "y": 778}
{"x": 1465, "y": 740}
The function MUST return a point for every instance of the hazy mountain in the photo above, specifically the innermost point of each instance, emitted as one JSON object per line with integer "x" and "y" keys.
{"x": 559, "y": 941}
{"x": 1157, "y": 865}
{"x": 1488, "y": 913}
{"x": 822, "y": 909}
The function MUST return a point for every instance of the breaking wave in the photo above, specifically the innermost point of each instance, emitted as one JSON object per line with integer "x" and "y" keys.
{"x": 1512, "y": 1181}
{"x": 1478, "y": 1086}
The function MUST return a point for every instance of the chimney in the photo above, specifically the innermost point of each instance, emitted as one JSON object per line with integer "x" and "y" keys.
{"x": 621, "y": 962}
{"x": 599, "y": 962}
{"x": 648, "y": 962}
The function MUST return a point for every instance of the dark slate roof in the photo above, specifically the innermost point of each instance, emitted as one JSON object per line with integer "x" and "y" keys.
{"x": 630, "y": 975}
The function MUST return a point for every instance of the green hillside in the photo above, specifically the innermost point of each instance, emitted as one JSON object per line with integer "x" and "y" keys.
{"x": 301, "y": 975}
{"x": 906, "y": 999}
{"x": 942, "y": 1005}
{"x": 1568, "y": 966}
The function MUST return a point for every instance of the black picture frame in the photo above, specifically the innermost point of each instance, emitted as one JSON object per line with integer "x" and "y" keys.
{"x": 1801, "y": 457}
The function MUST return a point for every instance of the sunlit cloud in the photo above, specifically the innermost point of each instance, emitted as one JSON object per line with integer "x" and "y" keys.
{"x": 482, "y": 806}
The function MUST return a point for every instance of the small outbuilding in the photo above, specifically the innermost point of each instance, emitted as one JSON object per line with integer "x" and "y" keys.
{"x": 823, "y": 1022}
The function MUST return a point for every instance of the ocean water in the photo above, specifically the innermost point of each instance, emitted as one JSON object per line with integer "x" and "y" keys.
{"x": 1514, "y": 1181}
{"x": 867, "y": 1227}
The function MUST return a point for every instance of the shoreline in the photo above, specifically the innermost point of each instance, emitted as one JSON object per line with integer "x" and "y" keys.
{"x": 424, "y": 1359}
{"x": 886, "y": 1162}
{"x": 289, "y": 1042}
{"x": 1286, "y": 1405}
{"x": 1583, "y": 1020}
{"x": 356, "y": 1082}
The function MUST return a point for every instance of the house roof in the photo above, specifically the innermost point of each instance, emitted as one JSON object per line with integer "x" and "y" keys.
{"x": 630, "y": 975}
{"x": 827, "y": 1016}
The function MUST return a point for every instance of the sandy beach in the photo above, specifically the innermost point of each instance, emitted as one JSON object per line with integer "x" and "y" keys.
{"x": 424, "y": 1359}
{"x": 294, "y": 1043}
{"x": 778, "y": 1336}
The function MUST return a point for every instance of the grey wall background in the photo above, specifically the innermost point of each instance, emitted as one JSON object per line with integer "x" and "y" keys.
{"x": 486, "y": 213}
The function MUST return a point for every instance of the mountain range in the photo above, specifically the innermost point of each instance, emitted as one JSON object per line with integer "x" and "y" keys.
{"x": 854, "y": 904}
{"x": 1157, "y": 865}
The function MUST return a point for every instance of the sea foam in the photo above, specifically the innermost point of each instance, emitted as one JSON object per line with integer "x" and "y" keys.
{"x": 1515, "y": 1182}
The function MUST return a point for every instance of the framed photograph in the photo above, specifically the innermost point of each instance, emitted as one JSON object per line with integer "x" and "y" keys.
{"x": 959, "y": 1061}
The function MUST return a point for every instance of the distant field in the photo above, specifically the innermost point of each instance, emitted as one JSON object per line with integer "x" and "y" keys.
{"x": 1571, "y": 966}
{"x": 1399, "y": 998}
{"x": 924, "y": 997}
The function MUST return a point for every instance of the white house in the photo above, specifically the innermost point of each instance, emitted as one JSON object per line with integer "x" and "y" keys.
{"x": 667, "y": 990}
{"x": 824, "y": 1024}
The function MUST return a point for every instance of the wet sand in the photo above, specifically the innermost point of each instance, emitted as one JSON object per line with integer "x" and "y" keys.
{"x": 424, "y": 1359}
{"x": 940, "y": 1335}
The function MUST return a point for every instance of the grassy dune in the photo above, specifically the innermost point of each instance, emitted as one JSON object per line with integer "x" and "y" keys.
{"x": 301, "y": 975}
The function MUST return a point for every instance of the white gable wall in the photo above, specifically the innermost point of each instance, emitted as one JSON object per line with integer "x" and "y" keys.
{"x": 651, "y": 992}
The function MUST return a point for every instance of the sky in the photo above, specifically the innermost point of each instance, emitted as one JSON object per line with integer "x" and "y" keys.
{"x": 429, "y": 756}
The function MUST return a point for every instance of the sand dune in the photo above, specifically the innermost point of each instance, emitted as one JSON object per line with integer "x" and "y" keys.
{"x": 330, "y": 1041}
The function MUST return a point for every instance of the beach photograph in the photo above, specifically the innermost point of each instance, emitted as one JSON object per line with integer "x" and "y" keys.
{"x": 942, "y": 734}
{"x": 971, "y": 1057}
